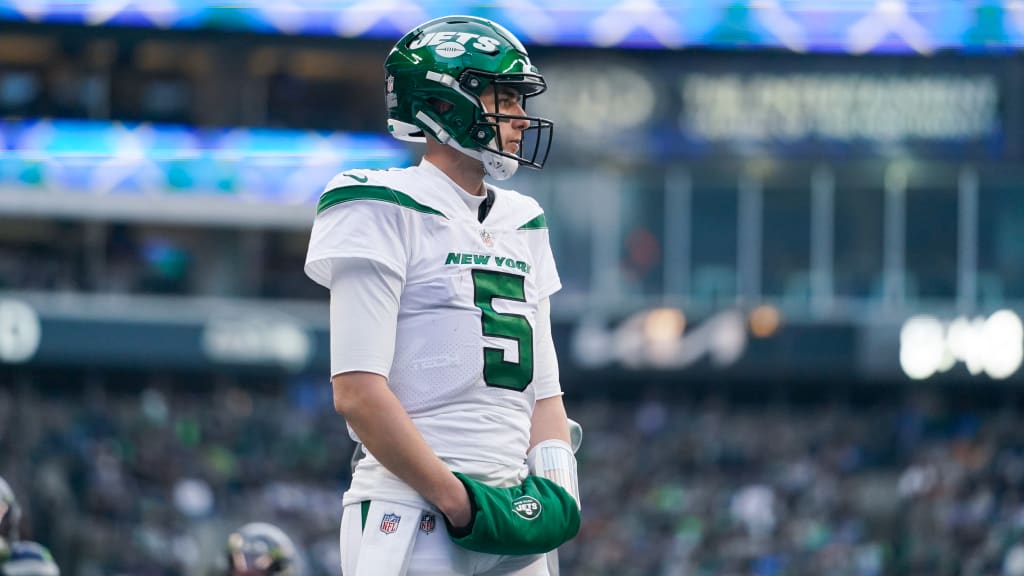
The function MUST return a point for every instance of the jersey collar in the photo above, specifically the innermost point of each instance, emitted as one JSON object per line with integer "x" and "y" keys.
{"x": 477, "y": 206}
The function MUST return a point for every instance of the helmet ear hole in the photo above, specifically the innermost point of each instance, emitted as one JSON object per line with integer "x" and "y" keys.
{"x": 472, "y": 83}
{"x": 440, "y": 106}
{"x": 483, "y": 135}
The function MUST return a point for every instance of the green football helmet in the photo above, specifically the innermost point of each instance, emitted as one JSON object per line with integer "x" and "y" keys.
{"x": 29, "y": 559}
{"x": 261, "y": 549}
{"x": 436, "y": 76}
{"x": 10, "y": 518}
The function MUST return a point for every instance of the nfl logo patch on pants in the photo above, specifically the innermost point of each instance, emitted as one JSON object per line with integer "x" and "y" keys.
{"x": 387, "y": 549}
{"x": 389, "y": 524}
{"x": 427, "y": 523}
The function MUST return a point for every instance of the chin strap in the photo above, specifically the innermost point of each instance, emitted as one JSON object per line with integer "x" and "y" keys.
{"x": 499, "y": 167}
{"x": 495, "y": 165}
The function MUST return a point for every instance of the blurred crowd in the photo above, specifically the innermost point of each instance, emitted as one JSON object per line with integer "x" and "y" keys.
{"x": 150, "y": 481}
{"x": 909, "y": 488}
{"x": 147, "y": 480}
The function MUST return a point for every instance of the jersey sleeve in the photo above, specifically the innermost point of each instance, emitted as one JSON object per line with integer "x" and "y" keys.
{"x": 548, "y": 281}
{"x": 546, "y": 376}
{"x": 365, "y": 299}
{"x": 352, "y": 222}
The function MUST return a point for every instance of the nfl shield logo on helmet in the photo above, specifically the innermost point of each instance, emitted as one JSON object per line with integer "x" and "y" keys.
{"x": 389, "y": 524}
{"x": 427, "y": 523}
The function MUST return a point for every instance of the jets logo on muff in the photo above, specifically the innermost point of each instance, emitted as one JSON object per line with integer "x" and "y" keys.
{"x": 526, "y": 507}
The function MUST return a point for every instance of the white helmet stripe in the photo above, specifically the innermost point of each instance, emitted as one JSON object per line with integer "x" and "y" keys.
{"x": 439, "y": 132}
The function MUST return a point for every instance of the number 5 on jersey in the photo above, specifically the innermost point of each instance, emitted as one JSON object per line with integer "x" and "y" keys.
{"x": 488, "y": 285}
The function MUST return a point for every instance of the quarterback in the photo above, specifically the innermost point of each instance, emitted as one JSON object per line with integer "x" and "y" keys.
{"x": 442, "y": 360}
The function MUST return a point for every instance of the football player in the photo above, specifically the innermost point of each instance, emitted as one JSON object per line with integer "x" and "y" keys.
{"x": 29, "y": 559}
{"x": 442, "y": 360}
{"x": 10, "y": 518}
{"x": 261, "y": 549}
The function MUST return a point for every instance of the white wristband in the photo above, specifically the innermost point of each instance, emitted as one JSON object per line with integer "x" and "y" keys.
{"x": 554, "y": 460}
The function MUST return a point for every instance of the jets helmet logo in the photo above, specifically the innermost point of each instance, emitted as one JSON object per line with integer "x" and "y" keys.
{"x": 526, "y": 507}
{"x": 450, "y": 50}
{"x": 453, "y": 44}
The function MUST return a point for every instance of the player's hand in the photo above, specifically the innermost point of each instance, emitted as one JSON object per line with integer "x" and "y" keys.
{"x": 457, "y": 509}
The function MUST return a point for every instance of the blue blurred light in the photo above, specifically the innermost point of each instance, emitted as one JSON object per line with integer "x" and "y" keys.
{"x": 855, "y": 26}
{"x": 286, "y": 166}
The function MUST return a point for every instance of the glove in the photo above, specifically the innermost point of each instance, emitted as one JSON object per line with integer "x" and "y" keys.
{"x": 531, "y": 518}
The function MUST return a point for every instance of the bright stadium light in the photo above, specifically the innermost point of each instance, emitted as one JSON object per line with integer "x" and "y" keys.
{"x": 964, "y": 343}
{"x": 764, "y": 321}
{"x": 993, "y": 345}
{"x": 660, "y": 338}
{"x": 20, "y": 332}
{"x": 664, "y": 325}
{"x": 922, "y": 345}
{"x": 1003, "y": 343}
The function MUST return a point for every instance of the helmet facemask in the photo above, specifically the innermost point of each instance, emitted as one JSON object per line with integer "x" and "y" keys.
{"x": 487, "y": 131}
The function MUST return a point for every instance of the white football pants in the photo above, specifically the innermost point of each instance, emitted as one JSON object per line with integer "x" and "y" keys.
{"x": 385, "y": 539}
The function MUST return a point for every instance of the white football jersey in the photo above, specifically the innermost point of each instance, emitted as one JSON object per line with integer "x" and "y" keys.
{"x": 464, "y": 364}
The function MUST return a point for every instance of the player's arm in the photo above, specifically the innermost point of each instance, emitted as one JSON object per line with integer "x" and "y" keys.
{"x": 384, "y": 427}
{"x": 550, "y": 454}
{"x": 550, "y": 421}
{"x": 549, "y": 418}
{"x": 365, "y": 297}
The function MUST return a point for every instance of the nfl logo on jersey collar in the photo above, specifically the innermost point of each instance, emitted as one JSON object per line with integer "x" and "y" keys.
{"x": 487, "y": 237}
{"x": 389, "y": 524}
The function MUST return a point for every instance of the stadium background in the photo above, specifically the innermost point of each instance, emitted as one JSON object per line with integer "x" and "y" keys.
{"x": 790, "y": 235}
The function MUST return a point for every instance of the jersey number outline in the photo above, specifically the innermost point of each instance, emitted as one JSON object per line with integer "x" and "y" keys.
{"x": 488, "y": 285}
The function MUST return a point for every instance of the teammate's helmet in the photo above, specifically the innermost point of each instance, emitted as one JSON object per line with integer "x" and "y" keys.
{"x": 435, "y": 77}
{"x": 29, "y": 559}
{"x": 259, "y": 548}
{"x": 10, "y": 518}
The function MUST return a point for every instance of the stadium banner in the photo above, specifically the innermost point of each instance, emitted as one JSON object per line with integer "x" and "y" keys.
{"x": 867, "y": 26}
{"x": 659, "y": 107}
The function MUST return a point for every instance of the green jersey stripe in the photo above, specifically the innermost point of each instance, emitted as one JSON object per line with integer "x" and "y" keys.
{"x": 538, "y": 223}
{"x": 337, "y": 196}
